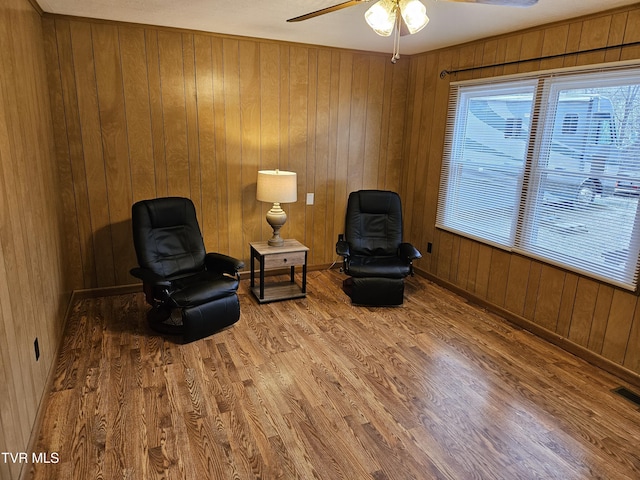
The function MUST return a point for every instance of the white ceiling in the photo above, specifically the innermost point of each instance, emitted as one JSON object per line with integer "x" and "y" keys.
{"x": 451, "y": 23}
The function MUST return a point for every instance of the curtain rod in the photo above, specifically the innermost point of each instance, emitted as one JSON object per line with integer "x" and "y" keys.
{"x": 444, "y": 73}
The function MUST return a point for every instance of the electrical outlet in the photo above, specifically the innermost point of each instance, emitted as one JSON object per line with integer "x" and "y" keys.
{"x": 429, "y": 247}
{"x": 36, "y": 347}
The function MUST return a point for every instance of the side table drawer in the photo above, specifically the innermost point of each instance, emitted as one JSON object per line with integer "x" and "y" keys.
{"x": 279, "y": 260}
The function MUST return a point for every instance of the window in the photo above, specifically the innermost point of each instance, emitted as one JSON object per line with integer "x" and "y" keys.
{"x": 548, "y": 167}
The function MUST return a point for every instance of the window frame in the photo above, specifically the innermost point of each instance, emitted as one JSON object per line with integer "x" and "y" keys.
{"x": 548, "y": 86}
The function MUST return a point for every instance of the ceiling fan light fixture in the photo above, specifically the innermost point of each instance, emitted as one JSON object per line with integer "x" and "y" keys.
{"x": 381, "y": 17}
{"x": 414, "y": 14}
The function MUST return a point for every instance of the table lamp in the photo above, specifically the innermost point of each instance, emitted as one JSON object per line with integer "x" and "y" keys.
{"x": 276, "y": 186}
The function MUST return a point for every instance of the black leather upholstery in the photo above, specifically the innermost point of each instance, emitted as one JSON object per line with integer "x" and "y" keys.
{"x": 374, "y": 254}
{"x": 373, "y": 224}
{"x": 177, "y": 273}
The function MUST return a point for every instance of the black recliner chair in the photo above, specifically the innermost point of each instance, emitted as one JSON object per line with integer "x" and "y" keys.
{"x": 375, "y": 257}
{"x": 177, "y": 273}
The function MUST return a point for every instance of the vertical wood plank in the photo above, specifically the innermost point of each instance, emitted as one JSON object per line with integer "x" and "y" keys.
{"x": 489, "y": 56}
{"x": 631, "y": 35}
{"x": 473, "y": 265}
{"x": 157, "y": 122}
{"x": 595, "y": 34}
{"x": 357, "y": 131}
{"x": 549, "y": 297}
{"x": 498, "y": 277}
{"x": 298, "y": 136}
{"x": 249, "y": 64}
{"x": 270, "y": 123}
{"x": 616, "y": 36}
{"x": 512, "y": 54}
{"x": 421, "y": 180}
{"x": 74, "y": 270}
{"x": 174, "y": 114}
{"x": 322, "y": 233}
{"x": 207, "y": 140}
{"x": 616, "y": 335}
{"x": 555, "y": 43}
{"x": 219, "y": 110}
{"x": 115, "y": 150}
{"x": 191, "y": 109}
{"x": 483, "y": 270}
{"x": 373, "y": 123}
{"x": 74, "y": 138}
{"x": 632, "y": 352}
{"x": 394, "y": 164}
{"x": 573, "y": 43}
{"x": 531, "y": 48}
{"x": 233, "y": 145}
{"x": 310, "y": 167}
{"x": 333, "y": 202}
{"x": 454, "y": 258}
{"x": 93, "y": 162}
{"x": 600, "y": 318}
{"x": 414, "y": 116}
{"x": 567, "y": 304}
{"x": 135, "y": 84}
{"x": 464, "y": 258}
{"x": 384, "y": 153}
{"x": 517, "y": 284}
{"x": 583, "y": 311}
{"x": 445, "y": 250}
{"x": 436, "y": 144}
{"x": 531, "y": 295}
{"x": 343, "y": 120}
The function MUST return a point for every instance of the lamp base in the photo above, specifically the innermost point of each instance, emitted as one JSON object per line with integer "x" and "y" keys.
{"x": 276, "y": 217}
{"x": 276, "y": 241}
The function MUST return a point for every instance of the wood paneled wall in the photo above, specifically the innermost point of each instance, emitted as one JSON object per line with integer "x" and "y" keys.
{"x": 582, "y": 314}
{"x": 142, "y": 112}
{"x": 32, "y": 285}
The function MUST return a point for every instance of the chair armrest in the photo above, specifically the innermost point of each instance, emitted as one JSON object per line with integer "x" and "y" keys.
{"x": 408, "y": 251}
{"x": 147, "y": 276}
{"x": 342, "y": 248}
{"x": 218, "y": 262}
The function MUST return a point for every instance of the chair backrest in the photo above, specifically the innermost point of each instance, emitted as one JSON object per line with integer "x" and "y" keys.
{"x": 167, "y": 237}
{"x": 373, "y": 224}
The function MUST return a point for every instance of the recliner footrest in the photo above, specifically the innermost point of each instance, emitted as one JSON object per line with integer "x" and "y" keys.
{"x": 206, "y": 319}
{"x": 374, "y": 291}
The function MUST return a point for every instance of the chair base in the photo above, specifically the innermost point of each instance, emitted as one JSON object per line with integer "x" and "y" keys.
{"x": 196, "y": 322}
{"x": 374, "y": 291}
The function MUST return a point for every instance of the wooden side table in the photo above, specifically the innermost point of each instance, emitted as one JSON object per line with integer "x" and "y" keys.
{"x": 290, "y": 255}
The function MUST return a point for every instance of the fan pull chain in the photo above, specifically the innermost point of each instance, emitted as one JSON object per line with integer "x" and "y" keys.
{"x": 396, "y": 41}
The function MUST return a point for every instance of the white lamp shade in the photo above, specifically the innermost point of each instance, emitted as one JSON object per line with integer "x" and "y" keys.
{"x": 277, "y": 186}
{"x": 414, "y": 14}
{"x": 381, "y": 17}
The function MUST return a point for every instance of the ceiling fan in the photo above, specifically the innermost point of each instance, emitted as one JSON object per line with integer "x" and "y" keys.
{"x": 383, "y": 16}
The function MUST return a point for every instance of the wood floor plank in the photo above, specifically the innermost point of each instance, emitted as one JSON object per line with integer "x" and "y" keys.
{"x": 318, "y": 388}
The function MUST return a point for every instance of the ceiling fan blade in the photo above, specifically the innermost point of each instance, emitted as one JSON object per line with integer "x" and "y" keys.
{"x": 322, "y": 11}
{"x": 507, "y": 3}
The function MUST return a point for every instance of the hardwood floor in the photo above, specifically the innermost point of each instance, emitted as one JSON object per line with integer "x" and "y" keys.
{"x": 318, "y": 388}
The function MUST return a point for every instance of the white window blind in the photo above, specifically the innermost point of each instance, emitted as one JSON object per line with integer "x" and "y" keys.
{"x": 548, "y": 167}
{"x": 486, "y": 156}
